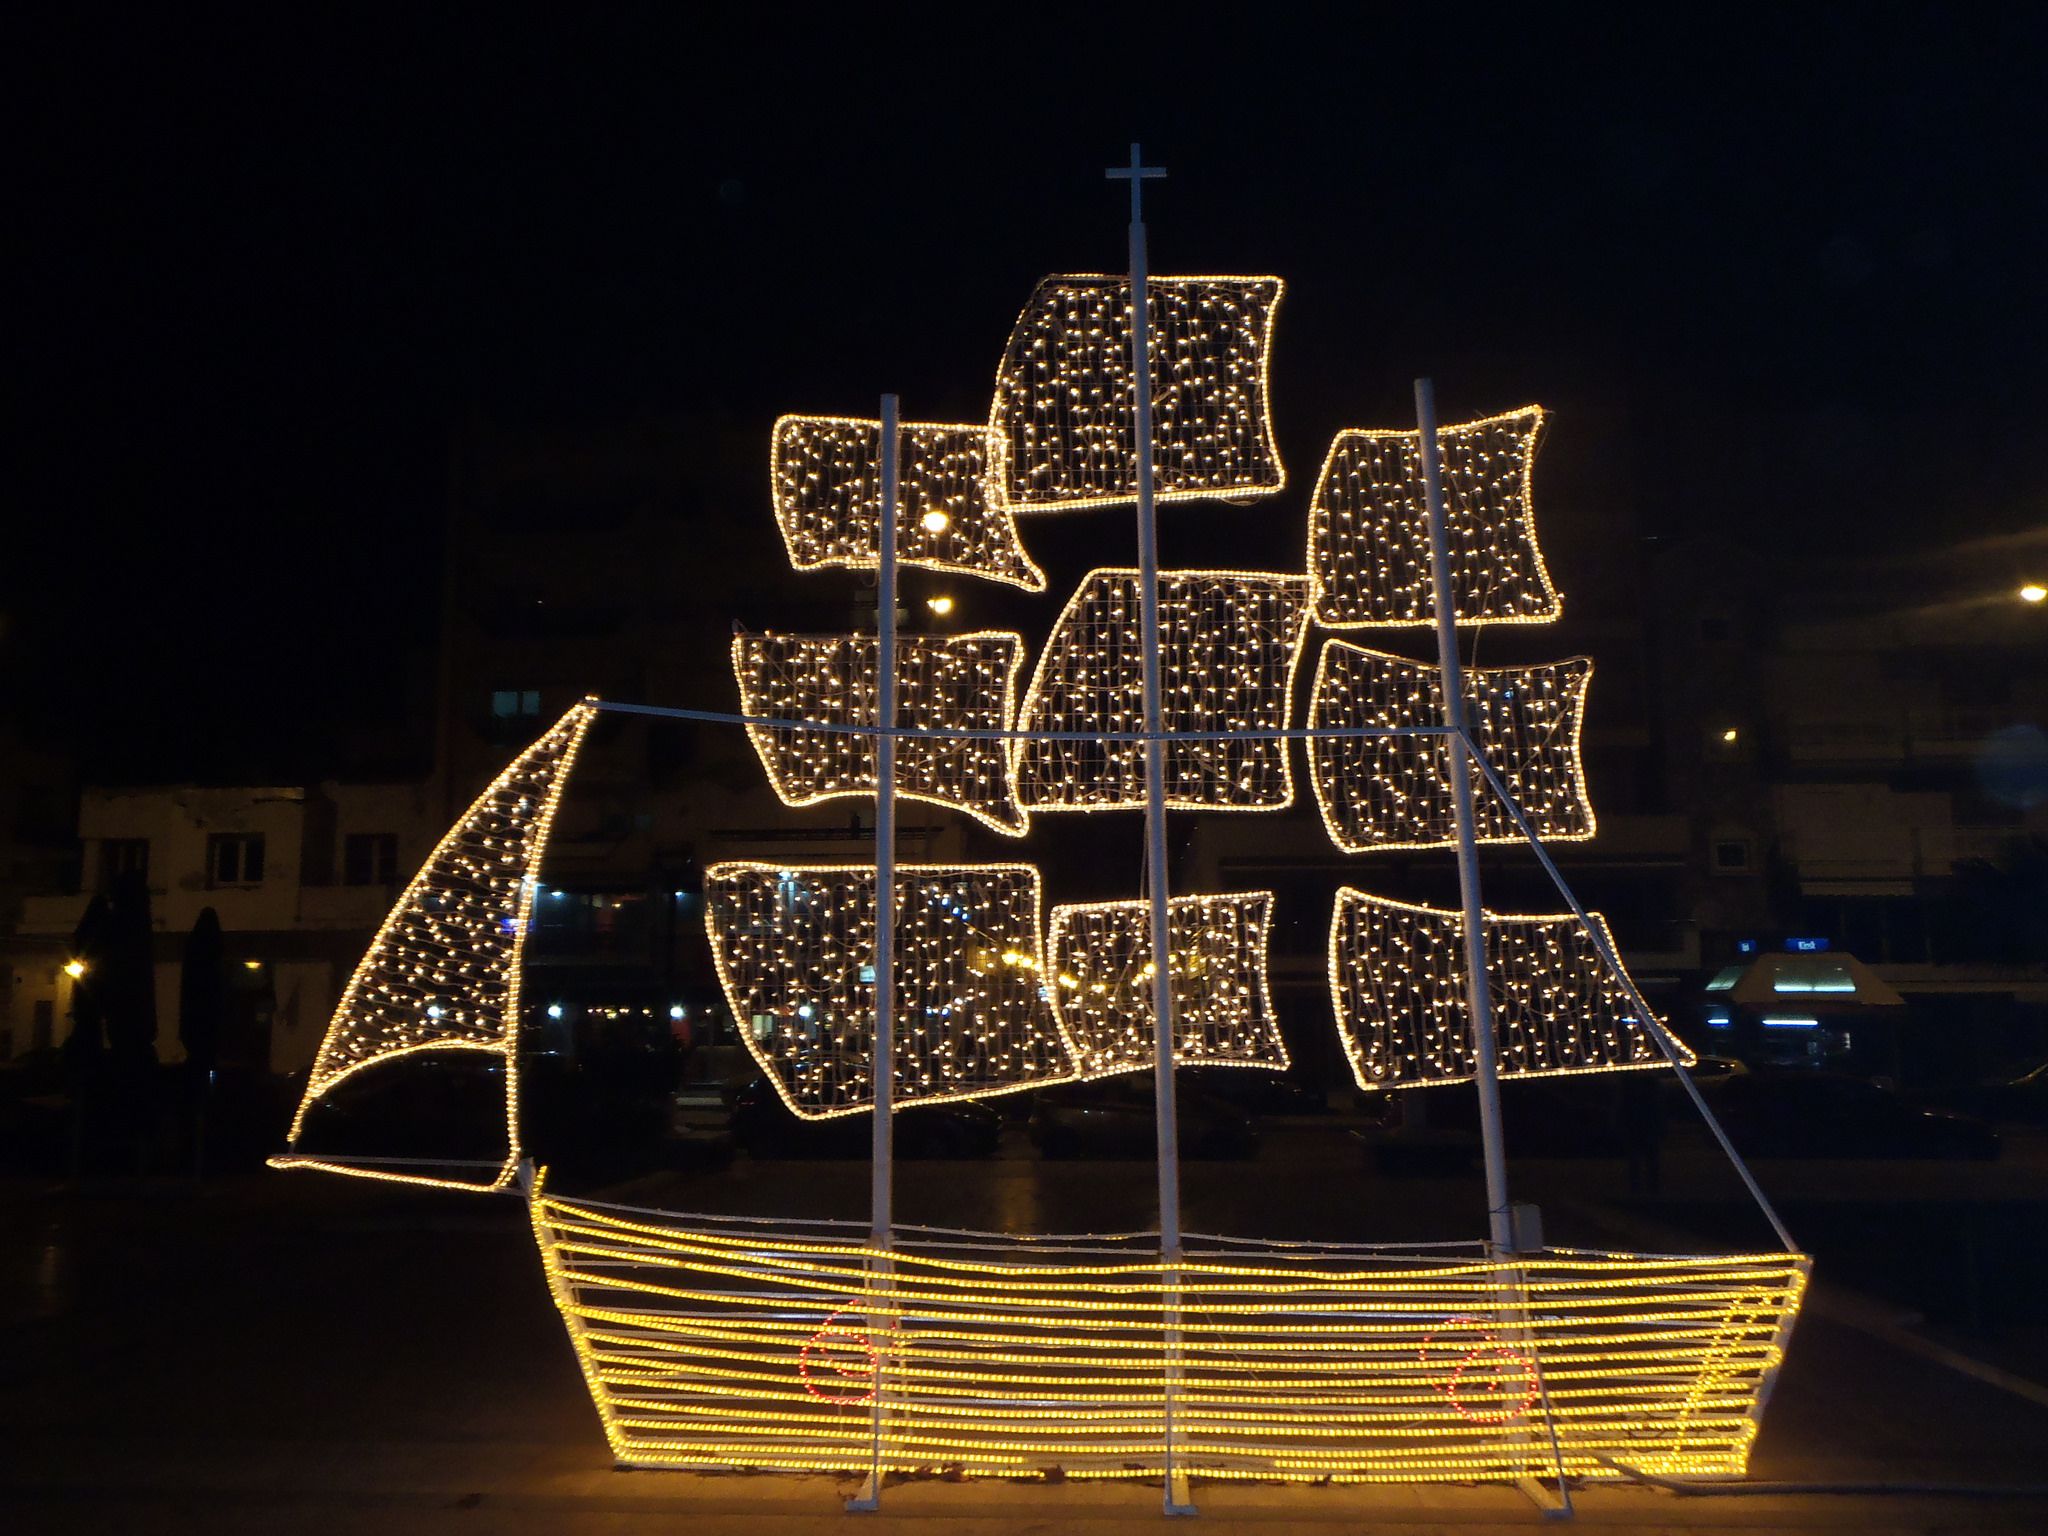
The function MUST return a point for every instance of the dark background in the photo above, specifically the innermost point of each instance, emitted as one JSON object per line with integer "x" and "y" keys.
{"x": 1787, "y": 265}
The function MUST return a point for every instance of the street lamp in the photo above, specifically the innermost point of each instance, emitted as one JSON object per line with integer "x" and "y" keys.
{"x": 2033, "y": 592}
{"x": 939, "y": 605}
{"x": 74, "y": 969}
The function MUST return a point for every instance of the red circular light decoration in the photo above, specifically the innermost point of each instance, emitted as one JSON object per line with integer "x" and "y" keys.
{"x": 845, "y": 1341}
{"x": 1505, "y": 1365}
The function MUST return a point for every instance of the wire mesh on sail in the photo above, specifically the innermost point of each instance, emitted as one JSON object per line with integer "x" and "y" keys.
{"x": 795, "y": 949}
{"x": 1397, "y": 983}
{"x": 1229, "y": 643}
{"x": 1381, "y": 792}
{"x": 1222, "y": 1001}
{"x": 1368, "y": 539}
{"x": 443, "y": 971}
{"x": 944, "y": 683}
{"x": 953, "y": 512}
{"x": 1065, "y": 391}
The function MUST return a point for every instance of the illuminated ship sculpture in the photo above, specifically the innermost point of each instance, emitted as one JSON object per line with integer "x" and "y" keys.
{"x": 876, "y": 1348}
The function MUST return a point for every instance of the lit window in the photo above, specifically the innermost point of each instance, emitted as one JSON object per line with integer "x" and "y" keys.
{"x": 515, "y": 703}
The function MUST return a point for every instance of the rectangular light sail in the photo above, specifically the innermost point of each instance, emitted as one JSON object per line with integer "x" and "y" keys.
{"x": 1368, "y": 527}
{"x": 953, "y": 512}
{"x": 1397, "y": 983}
{"x": 1222, "y": 1000}
{"x": 794, "y": 946}
{"x": 1065, "y": 392}
{"x": 944, "y": 683}
{"x": 1385, "y": 792}
{"x": 1230, "y": 641}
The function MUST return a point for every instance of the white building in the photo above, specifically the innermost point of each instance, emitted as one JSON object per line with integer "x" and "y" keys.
{"x": 299, "y": 878}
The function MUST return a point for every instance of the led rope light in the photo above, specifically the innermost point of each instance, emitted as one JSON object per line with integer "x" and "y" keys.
{"x": 1223, "y": 1007}
{"x": 794, "y": 948}
{"x": 1230, "y": 641}
{"x": 709, "y": 1344}
{"x": 1397, "y": 984}
{"x": 954, "y": 515}
{"x": 1368, "y": 529}
{"x": 944, "y": 682}
{"x": 442, "y": 973}
{"x": 1065, "y": 392}
{"x": 1388, "y": 792}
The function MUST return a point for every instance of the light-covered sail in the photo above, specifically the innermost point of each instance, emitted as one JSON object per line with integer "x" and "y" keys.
{"x": 1380, "y": 792}
{"x": 1368, "y": 527}
{"x": 1065, "y": 396}
{"x": 1222, "y": 1001}
{"x": 953, "y": 512}
{"x": 795, "y": 950}
{"x": 442, "y": 973}
{"x": 943, "y": 683}
{"x": 1397, "y": 982}
{"x": 1229, "y": 643}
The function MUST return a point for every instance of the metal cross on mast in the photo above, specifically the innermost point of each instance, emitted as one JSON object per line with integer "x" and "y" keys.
{"x": 1166, "y": 1120}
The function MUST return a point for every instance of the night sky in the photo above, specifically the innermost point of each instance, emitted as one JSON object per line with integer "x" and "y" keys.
{"x": 1792, "y": 266}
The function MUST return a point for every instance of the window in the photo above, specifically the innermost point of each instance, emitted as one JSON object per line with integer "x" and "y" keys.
{"x": 1731, "y": 856}
{"x": 234, "y": 858}
{"x": 122, "y": 856}
{"x": 515, "y": 704}
{"x": 369, "y": 858}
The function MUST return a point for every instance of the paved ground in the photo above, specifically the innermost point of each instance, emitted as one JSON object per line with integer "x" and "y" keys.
{"x": 301, "y": 1354}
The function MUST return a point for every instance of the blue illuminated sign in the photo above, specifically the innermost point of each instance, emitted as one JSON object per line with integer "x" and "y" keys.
{"x": 1805, "y": 946}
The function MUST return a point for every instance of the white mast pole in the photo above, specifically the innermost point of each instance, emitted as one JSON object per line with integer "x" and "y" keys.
{"x": 882, "y": 1194}
{"x": 1166, "y": 1119}
{"x": 1478, "y": 1000}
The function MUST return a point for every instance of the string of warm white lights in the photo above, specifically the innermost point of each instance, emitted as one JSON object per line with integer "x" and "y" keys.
{"x": 956, "y": 683}
{"x": 442, "y": 973}
{"x": 953, "y": 512}
{"x": 1386, "y": 792}
{"x": 1065, "y": 392}
{"x": 1397, "y": 983}
{"x": 795, "y": 947}
{"x": 1229, "y": 642}
{"x": 709, "y": 1343}
{"x": 1368, "y": 527}
{"x": 1222, "y": 1001}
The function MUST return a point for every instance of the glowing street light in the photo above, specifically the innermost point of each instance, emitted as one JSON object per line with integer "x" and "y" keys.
{"x": 2033, "y": 592}
{"x": 935, "y": 521}
{"x": 939, "y": 605}
{"x": 74, "y": 969}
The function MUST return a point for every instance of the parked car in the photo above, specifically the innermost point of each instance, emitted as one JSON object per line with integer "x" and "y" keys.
{"x": 1115, "y": 1118}
{"x": 765, "y": 1127}
{"x": 1830, "y": 1114}
{"x": 2022, "y": 1100}
{"x": 1254, "y": 1090}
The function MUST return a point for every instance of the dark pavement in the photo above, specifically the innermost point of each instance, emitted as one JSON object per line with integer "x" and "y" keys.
{"x": 296, "y": 1353}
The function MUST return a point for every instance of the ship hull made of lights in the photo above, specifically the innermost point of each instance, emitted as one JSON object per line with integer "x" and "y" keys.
{"x": 720, "y": 1344}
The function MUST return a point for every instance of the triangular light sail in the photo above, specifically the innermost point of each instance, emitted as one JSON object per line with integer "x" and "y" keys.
{"x": 1397, "y": 981}
{"x": 1222, "y": 1000}
{"x": 1065, "y": 394}
{"x": 443, "y": 972}
{"x": 1368, "y": 527}
{"x": 953, "y": 510}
